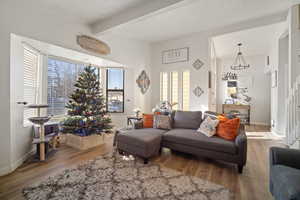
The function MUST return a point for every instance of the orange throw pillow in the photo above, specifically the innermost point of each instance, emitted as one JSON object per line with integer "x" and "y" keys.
{"x": 148, "y": 120}
{"x": 228, "y": 128}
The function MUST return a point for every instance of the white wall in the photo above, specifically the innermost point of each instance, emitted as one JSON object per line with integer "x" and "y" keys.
{"x": 259, "y": 90}
{"x": 282, "y": 84}
{"x": 29, "y": 19}
{"x": 198, "y": 49}
{"x": 294, "y": 43}
{"x": 294, "y": 54}
{"x": 277, "y": 97}
{"x": 21, "y": 142}
{"x": 136, "y": 55}
{"x": 23, "y": 18}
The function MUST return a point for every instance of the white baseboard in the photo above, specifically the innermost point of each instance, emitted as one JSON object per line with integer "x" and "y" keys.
{"x": 277, "y": 133}
{"x": 5, "y": 170}
{"x": 14, "y": 165}
{"x": 260, "y": 123}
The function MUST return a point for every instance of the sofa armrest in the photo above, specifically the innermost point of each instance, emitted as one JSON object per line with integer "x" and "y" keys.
{"x": 284, "y": 156}
{"x": 241, "y": 143}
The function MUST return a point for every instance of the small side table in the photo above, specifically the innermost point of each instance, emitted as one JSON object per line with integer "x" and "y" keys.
{"x": 130, "y": 118}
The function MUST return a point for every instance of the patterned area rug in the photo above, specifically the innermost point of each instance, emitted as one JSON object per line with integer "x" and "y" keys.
{"x": 117, "y": 177}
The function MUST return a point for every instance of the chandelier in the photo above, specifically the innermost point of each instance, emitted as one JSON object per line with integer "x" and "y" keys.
{"x": 239, "y": 62}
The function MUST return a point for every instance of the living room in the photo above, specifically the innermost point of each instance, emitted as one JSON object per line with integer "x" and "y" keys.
{"x": 145, "y": 92}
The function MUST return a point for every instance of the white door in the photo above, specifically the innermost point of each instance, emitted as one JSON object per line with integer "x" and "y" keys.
{"x": 24, "y": 70}
{"x": 212, "y": 90}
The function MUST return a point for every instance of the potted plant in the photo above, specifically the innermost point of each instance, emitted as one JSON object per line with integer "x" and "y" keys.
{"x": 87, "y": 119}
{"x": 137, "y": 112}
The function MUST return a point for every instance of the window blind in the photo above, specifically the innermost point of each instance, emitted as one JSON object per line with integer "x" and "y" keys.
{"x": 31, "y": 62}
{"x": 164, "y": 86}
{"x": 186, "y": 90}
{"x": 174, "y": 89}
{"x": 62, "y": 76}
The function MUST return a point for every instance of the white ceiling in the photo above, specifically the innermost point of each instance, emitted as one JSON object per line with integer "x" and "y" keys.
{"x": 176, "y": 18}
{"x": 90, "y": 11}
{"x": 53, "y": 50}
{"x": 198, "y": 16}
{"x": 256, "y": 41}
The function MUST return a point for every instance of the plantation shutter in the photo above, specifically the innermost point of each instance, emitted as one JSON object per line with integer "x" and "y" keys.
{"x": 186, "y": 90}
{"x": 31, "y": 62}
{"x": 174, "y": 89}
{"x": 164, "y": 86}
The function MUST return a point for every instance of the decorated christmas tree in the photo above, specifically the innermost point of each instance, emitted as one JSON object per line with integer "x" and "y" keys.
{"x": 87, "y": 113}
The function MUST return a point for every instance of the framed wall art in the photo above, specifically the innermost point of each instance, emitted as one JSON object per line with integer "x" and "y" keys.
{"x": 198, "y": 64}
{"x": 175, "y": 55}
{"x": 143, "y": 82}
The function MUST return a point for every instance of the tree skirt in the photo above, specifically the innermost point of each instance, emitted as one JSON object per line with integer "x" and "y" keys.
{"x": 117, "y": 177}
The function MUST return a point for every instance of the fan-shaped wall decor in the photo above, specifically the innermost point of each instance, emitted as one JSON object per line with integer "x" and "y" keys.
{"x": 198, "y": 91}
{"x": 143, "y": 82}
{"x": 93, "y": 45}
{"x": 198, "y": 64}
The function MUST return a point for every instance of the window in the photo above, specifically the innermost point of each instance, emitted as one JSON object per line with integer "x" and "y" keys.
{"x": 177, "y": 90}
{"x": 61, "y": 78}
{"x": 115, "y": 90}
{"x": 31, "y": 82}
{"x": 174, "y": 90}
{"x": 164, "y": 86}
{"x": 186, "y": 90}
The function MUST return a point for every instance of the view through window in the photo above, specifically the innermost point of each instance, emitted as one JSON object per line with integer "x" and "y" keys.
{"x": 115, "y": 90}
{"x": 62, "y": 76}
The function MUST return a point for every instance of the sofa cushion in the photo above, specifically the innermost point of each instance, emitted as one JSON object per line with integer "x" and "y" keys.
{"x": 187, "y": 119}
{"x": 192, "y": 138}
{"x": 142, "y": 142}
{"x": 139, "y": 137}
{"x": 286, "y": 181}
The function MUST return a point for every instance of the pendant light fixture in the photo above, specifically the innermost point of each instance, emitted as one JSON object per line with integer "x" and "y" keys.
{"x": 239, "y": 62}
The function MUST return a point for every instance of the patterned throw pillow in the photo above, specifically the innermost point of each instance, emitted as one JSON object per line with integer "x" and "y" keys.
{"x": 162, "y": 122}
{"x": 208, "y": 126}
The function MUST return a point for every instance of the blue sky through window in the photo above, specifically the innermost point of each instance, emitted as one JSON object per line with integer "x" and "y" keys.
{"x": 115, "y": 79}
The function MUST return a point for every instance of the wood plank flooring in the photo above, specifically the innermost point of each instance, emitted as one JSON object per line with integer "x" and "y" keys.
{"x": 257, "y": 128}
{"x": 252, "y": 184}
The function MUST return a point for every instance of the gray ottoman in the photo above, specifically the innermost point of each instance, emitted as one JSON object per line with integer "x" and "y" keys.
{"x": 144, "y": 143}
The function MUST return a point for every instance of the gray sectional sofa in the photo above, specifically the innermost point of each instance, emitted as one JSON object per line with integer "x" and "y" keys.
{"x": 183, "y": 137}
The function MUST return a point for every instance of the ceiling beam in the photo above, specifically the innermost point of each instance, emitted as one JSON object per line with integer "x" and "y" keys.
{"x": 134, "y": 13}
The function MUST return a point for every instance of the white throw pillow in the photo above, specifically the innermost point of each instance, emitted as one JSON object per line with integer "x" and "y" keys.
{"x": 208, "y": 127}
